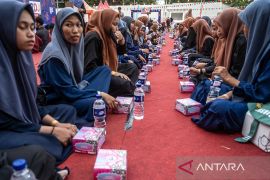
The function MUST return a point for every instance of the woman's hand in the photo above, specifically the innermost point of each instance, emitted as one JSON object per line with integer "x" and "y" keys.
{"x": 225, "y": 75}
{"x": 111, "y": 101}
{"x": 121, "y": 75}
{"x": 68, "y": 126}
{"x": 227, "y": 96}
{"x": 194, "y": 71}
{"x": 142, "y": 58}
{"x": 129, "y": 61}
{"x": 63, "y": 135}
{"x": 120, "y": 38}
{"x": 145, "y": 51}
{"x": 200, "y": 65}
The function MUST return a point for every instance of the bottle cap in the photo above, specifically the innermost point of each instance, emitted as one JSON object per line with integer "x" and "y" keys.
{"x": 19, "y": 164}
{"x": 138, "y": 84}
{"x": 98, "y": 96}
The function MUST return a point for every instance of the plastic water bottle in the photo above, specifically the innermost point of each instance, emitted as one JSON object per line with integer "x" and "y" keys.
{"x": 142, "y": 78}
{"x": 186, "y": 73}
{"x": 214, "y": 88}
{"x": 99, "y": 111}
{"x": 21, "y": 172}
{"x": 138, "y": 102}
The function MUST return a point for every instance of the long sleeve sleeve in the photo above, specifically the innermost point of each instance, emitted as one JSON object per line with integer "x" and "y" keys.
{"x": 55, "y": 75}
{"x": 257, "y": 91}
{"x": 207, "y": 47}
{"x": 92, "y": 51}
{"x": 191, "y": 39}
{"x": 9, "y": 123}
{"x": 238, "y": 56}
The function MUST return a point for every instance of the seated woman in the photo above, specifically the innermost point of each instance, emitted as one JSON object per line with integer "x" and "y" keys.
{"x": 100, "y": 50}
{"x": 61, "y": 69}
{"x": 139, "y": 36}
{"x": 189, "y": 40}
{"x": 145, "y": 21}
{"x": 253, "y": 82}
{"x": 154, "y": 34}
{"x": 22, "y": 122}
{"x": 124, "y": 55}
{"x": 130, "y": 47}
{"x": 229, "y": 51}
{"x": 182, "y": 31}
{"x": 204, "y": 40}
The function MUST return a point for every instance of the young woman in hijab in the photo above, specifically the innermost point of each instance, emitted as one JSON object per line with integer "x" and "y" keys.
{"x": 124, "y": 55}
{"x": 154, "y": 34}
{"x": 61, "y": 69}
{"x": 204, "y": 39}
{"x": 144, "y": 20}
{"x": 229, "y": 51}
{"x": 208, "y": 20}
{"x": 252, "y": 84}
{"x": 182, "y": 31}
{"x": 22, "y": 122}
{"x": 130, "y": 47}
{"x": 190, "y": 40}
{"x": 100, "y": 50}
{"x": 188, "y": 14}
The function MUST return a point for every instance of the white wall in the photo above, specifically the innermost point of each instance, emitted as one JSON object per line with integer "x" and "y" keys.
{"x": 210, "y": 9}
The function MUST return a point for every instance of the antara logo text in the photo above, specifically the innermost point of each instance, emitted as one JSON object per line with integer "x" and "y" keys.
{"x": 215, "y": 166}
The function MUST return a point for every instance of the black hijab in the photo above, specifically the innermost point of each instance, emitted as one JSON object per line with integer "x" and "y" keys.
{"x": 18, "y": 77}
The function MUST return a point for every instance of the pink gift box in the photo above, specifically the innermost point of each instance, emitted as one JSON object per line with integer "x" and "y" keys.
{"x": 156, "y": 61}
{"x": 149, "y": 67}
{"x": 188, "y": 106}
{"x": 111, "y": 164}
{"x": 88, "y": 140}
{"x": 125, "y": 105}
{"x": 186, "y": 86}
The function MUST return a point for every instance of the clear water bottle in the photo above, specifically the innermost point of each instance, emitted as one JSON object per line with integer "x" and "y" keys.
{"x": 214, "y": 88}
{"x": 138, "y": 102}
{"x": 150, "y": 59}
{"x": 21, "y": 172}
{"x": 186, "y": 73}
{"x": 195, "y": 63}
{"x": 99, "y": 111}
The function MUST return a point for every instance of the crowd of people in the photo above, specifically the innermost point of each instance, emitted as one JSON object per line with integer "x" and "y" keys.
{"x": 105, "y": 57}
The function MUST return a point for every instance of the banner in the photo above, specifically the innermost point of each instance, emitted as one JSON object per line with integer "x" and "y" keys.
{"x": 44, "y": 7}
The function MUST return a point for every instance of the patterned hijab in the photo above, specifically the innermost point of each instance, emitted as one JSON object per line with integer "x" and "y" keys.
{"x": 101, "y": 22}
{"x": 18, "y": 78}
{"x": 231, "y": 24}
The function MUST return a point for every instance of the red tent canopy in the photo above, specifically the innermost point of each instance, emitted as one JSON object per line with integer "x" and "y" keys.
{"x": 106, "y": 5}
{"x": 100, "y": 5}
{"x": 89, "y": 10}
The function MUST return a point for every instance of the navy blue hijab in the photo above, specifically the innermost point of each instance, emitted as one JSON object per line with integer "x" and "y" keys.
{"x": 256, "y": 17}
{"x": 18, "y": 79}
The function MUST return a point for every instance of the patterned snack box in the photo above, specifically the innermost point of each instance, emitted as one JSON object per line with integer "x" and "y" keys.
{"x": 186, "y": 86}
{"x": 188, "y": 106}
{"x": 88, "y": 140}
{"x": 125, "y": 105}
{"x": 111, "y": 164}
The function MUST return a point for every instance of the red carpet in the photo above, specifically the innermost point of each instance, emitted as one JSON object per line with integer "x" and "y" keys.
{"x": 154, "y": 144}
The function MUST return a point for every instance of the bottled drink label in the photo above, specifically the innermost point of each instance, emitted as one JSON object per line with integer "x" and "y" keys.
{"x": 216, "y": 83}
{"x": 99, "y": 112}
{"x": 138, "y": 98}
